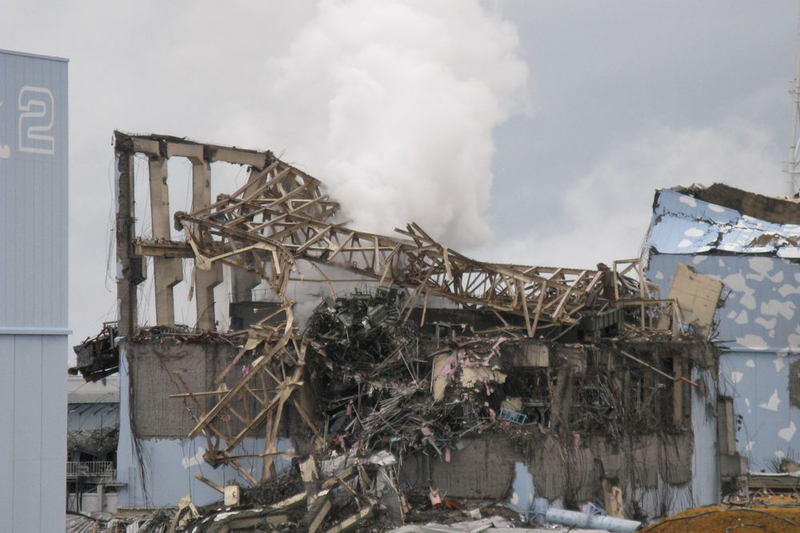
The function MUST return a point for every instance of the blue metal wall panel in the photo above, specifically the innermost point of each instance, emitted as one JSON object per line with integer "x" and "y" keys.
{"x": 27, "y": 430}
{"x": 705, "y": 465}
{"x": 7, "y": 360}
{"x": 759, "y": 326}
{"x": 33, "y": 191}
{"x": 54, "y": 430}
{"x": 33, "y": 292}
{"x": 761, "y": 294}
{"x": 683, "y": 224}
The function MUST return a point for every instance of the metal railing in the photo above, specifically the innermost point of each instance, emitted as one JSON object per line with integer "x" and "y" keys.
{"x": 91, "y": 469}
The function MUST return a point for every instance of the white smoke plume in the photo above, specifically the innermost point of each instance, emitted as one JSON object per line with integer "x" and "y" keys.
{"x": 393, "y": 105}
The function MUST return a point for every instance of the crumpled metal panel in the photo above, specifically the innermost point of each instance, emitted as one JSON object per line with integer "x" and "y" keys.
{"x": 683, "y": 224}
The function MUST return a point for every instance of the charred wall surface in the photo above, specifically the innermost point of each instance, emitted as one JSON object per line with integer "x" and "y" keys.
{"x": 164, "y": 366}
{"x": 598, "y": 418}
{"x": 155, "y": 363}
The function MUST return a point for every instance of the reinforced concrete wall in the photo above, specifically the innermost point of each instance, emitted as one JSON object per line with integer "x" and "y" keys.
{"x": 155, "y": 461}
{"x": 660, "y": 473}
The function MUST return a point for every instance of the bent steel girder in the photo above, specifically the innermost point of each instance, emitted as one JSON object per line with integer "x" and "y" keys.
{"x": 282, "y": 212}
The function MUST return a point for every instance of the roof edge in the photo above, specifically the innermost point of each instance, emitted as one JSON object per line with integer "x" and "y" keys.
{"x": 769, "y": 208}
{"x": 35, "y": 56}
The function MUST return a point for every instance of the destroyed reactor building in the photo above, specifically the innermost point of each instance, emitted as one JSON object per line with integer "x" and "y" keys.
{"x": 517, "y": 383}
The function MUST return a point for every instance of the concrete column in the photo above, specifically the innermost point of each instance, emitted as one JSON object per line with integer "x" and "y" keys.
{"x": 204, "y": 281}
{"x": 129, "y": 273}
{"x": 168, "y": 270}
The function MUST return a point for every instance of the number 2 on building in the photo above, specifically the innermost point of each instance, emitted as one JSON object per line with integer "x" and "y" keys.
{"x": 36, "y": 105}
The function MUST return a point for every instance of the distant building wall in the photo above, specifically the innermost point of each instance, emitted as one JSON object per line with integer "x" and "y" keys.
{"x": 33, "y": 293}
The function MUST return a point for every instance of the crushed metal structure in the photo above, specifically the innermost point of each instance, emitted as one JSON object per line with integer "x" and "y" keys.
{"x": 590, "y": 377}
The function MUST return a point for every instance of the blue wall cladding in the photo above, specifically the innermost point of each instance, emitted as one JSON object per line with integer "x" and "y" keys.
{"x": 761, "y": 298}
{"x": 757, "y": 323}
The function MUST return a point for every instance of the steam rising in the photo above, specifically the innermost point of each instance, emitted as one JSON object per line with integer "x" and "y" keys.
{"x": 393, "y": 105}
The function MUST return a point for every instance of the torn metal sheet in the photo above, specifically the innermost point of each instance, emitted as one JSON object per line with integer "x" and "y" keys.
{"x": 683, "y": 224}
{"x": 697, "y": 296}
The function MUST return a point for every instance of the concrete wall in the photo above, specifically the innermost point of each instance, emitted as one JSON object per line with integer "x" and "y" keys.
{"x": 94, "y": 502}
{"x": 657, "y": 473}
{"x": 664, "y": 472}
{"x": 758, "y": 325}
{"x": 159, "y": 470}
{"x": 33, "y": 293}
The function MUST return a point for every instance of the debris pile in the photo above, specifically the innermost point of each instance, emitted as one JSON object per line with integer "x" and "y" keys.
{"x": 330, "y": 496}
{"x": 98, "y": 356}
{"x": 387, "y": 388}
{"x": 342, "y": 493}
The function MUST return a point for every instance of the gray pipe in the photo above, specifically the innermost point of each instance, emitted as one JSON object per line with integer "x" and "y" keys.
{"x": 594, "y": 521}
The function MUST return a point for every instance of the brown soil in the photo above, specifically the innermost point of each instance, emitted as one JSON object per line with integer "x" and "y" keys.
{"x": 770, "y": 514}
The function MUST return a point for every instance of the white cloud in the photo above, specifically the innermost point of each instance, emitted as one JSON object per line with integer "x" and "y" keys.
{"x": 610, "y": 207}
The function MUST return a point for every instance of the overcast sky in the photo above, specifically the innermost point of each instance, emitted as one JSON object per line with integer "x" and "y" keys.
{"x": 540, "y": 128}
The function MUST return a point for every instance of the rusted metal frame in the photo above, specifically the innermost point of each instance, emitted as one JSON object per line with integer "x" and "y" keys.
{"x": 528, "y": 325}
{"x": 273, "y": 426}
{"x": 236, "y": 203}
{"x": 275, "y": 203}
{"x": 257, "y": 421}
{"x": 447, "y": 292}
{"x": 243, "y": 217}
{"x": 331, "y": 209}
{"x": 285, "y": 389}
{"x": 540, "y": 300}
{"x": 257, "y": 364}
{"x": 563, "y": 300}
{"x": 314, "y": 239}
{"x": 388, "y": 263}
{"x": 242, "y": 470}
{"x": 246, "y": 404}
{"x": 343, "y": 243}
{"x": 240, "y": 190}
{"x": 199, "y": 407}
{"x": 240, "y": 252}
{"x": 243, "y": 419}
{"x": 304, "y": 415}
